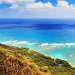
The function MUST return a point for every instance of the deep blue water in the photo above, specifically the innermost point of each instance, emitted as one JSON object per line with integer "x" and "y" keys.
{"x": 55, "y": 38}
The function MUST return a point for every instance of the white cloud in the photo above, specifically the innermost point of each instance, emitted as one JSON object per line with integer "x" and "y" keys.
{"x": 14, "y": 6}
{"x": 62, "y": 4}
{"x": 7, "y": 1}
{"x": 47, "y": 10}
{"x": 56, "y": 45}
{"x": 39, "y": 5}
{"x": 18, "y": 43}
{"x": 31, "y": 9}
{"x": 16, "y": 1}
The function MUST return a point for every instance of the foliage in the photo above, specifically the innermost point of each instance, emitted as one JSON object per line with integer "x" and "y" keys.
{"x": 23, "y": 61}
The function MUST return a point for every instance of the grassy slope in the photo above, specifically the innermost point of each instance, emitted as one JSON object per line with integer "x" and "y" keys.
{"x": 22, "y": 61}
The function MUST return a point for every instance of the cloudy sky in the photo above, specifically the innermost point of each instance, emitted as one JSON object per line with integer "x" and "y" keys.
{"x": 37, "y": 9}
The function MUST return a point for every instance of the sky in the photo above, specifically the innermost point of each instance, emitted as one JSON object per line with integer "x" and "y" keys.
{"x": 37, "y": 9}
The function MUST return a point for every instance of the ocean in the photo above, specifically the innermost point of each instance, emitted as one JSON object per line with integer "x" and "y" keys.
{"x": 52, "y": 37}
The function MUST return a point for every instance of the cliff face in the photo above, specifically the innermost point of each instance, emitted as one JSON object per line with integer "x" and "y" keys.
{"x": 22, "y": 61}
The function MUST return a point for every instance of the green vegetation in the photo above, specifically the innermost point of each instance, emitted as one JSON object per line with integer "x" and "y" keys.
{"x": 23, "y": 61}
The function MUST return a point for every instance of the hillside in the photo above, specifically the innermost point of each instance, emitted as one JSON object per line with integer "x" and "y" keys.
{"x": 23, "y": 61}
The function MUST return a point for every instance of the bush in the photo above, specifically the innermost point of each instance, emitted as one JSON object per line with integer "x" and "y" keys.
{"x": 44, "y": 69}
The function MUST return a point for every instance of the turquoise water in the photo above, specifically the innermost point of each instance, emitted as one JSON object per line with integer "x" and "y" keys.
{"x": 53, "y": 39}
